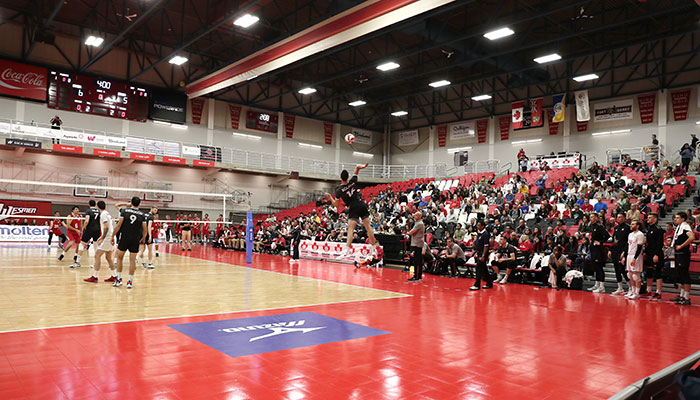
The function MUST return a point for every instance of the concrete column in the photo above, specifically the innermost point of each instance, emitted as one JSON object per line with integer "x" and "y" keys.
{"x": 280, "y": 138}
{"x": 19, "y": 111}
{"x": 431, "y": 145}
{"x": 568, "y": 122}
{"x": 210, "y": 122}
{"x": 125, "y": 127}
{"x": 491, "y": 137}
{"x": 337, "y": 136}
{"x": 662, "y": 106}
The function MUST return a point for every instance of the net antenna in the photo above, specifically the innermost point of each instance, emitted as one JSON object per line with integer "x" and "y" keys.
{"x": 94, "y": 188}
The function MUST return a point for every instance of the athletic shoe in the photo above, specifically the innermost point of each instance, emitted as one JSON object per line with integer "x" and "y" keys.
{"x": 151, "y": 266}
{"x": 600, "y": 289}
{"x": 414, "y": 279}
{"x": 129, "y": 285}
{"x": 111, "y": 279}
{"x": 354, "y": 262}
{"x": 344, "y": 253}
{"x": 183, "y": 249}
{"x": 633, "y": 297}
{"x": 75, "y": 265}
{"x": 156, "y": 254}
{"x": 189, "y": 249}
{"x": 618, "y": 292}
{"x": 656, "y": 297}
{"x": 647, "y": 294}
{"x": 628, "y": 295}
{"x": 91, "y": 279}
{"x": 117, "y": 282}
{"x": 48, "y": 249}
{"x": 474, "y": 288}
{"x": 60, "y": 245}
{"x": 684, "y": 302}
{"x": 143, "y": 264}
{"x": 60, "y": 258}
{"x": 488, "y": 286}
{"x": 676, "y": 299}
{"x": 593, "y": 288}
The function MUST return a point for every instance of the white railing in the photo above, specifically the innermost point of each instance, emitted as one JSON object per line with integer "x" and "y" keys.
{"x": 645, "y": 153}
{"x": 472, "y": 167}
{"x": 240, "y": 159}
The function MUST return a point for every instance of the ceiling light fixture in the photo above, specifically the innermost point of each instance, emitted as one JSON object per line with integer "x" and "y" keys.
{"x": 481, "y": 97}
{"x": 361, "y": 154}
{"x": 441, "y": 83}
{"x": 584, "y": 78}
{"x": 399, "y": 113}
{"x": 313, "y": 146}
{"x": 456, "y": 149}
{"x": 388, "y": 66}
{"x": 94, "y": 41}
{"x": 243, "y": 135}
{"x": 526, "y": 141}
{"x": 499, "y": 33}
{"x": 246, "y": 20}
{"x": 547, "y": 58}
{"x": 178, "y": 60}
{"x": 307, "y": 90}
{"x": 357, "y": 103}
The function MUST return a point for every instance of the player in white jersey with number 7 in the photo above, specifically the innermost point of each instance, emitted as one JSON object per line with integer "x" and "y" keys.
{"x": 635, "y": 259}
{"x": 105, "y": 245}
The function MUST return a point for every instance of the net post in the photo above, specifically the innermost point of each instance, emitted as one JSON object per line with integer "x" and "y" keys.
{"x": 249, "y": 238}
{"x": 224, "y": 212}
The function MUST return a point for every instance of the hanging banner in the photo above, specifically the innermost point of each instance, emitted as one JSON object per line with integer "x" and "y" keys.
{"x": 191, "y": 150}
{"x": 235, "y": 112}
{"x": 408, "y": 138}
{"x": 197, "y": 108}
{"x": 680, "y": 99}
{"x": 559, "y": 108}
{"x": 24, "y": 209}
{"x": 167, "y": 106}
{"x": 23, "y": 143}
{"x": 583, "y": 109}
{"x": 504, "y": 125}
{"x": 442, "y": 135}
{"x": 362, "y": 137}
{"x": 517, "y": 114}
{"x": 581, "y": 126}
{"x": 462, "y": 130}
{"x": 22, "y": 80}
{"x": 612, "y": 111}
{"x": 289, "y": 125}
{"x": 646, "y": 102}
{"x": 328, "y": 132}
{"x": 553, "y": 126}
{"x": 481, "y": 128}
{"x": 536, "y": 112}
{"x": 210, "y": 153}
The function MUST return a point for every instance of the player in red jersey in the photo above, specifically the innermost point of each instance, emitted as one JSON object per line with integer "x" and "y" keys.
{"x": 205, "y": 228}
{"x": 74, "y": 226}
{"x": 55, "y": 230}
{"x": 219, "y": 225}
{"x": 155, "y": 230}
{"x": 197, "y": 229}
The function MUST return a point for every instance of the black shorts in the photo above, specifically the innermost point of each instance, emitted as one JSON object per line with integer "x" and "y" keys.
{"x": 129, "y": 244}
{"x": 90, "y": 234}
{"x": 149, "y": 239}
{"x": 358, "y": 211}
{"x": 654, "y": 270}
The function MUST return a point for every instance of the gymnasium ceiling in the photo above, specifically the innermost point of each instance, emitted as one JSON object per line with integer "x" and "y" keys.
{"x": 634, "y": 46}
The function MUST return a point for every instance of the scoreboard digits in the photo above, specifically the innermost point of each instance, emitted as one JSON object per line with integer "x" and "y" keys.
{"x": 89, "y": 95}
{"x": 261, "y": 121}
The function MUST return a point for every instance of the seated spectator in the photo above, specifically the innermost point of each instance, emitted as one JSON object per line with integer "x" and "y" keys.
{"x": 557, "y": 268}
{"x": 505, "y": 260}
{"x": 454, "y": 257}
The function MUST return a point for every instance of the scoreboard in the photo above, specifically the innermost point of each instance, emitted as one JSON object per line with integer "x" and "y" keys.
{"x": 262, "y": 121}
{"x": 83, "y": 94}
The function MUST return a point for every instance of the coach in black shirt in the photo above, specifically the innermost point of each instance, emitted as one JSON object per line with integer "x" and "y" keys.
{"x": 654, "y": 255}
{"x": 598, "y": 255}
{"x": 620, "y": 236}
{"x": 481, "y": 253}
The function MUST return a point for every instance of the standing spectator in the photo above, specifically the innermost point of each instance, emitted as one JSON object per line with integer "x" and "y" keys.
{"x": 56, "y": 122}
{"x": 619, "y": 250}
{"x": 682, "y": 238}
{"x": 598, "y": 236}
{"x": 634, "y": 260}
{"x": 693, "y": 143}
{"x": 521, "y": 154}
{"x": 654, "y": 140}
{"x": 654, "y": 256}
{"x": 481, "y": 251}
{"x": 417, "y": 233}
{"x": 686, "y": 155}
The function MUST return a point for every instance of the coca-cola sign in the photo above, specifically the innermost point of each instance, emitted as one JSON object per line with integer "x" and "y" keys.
{"x": 21, "y": 80}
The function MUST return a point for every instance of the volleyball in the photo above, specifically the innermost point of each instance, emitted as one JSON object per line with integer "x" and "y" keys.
{"x": 350, "y": 138}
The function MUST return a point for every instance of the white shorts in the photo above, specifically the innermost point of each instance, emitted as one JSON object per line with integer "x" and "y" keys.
{"x": 106, "y": 246}
{"x": 638, "y": 265}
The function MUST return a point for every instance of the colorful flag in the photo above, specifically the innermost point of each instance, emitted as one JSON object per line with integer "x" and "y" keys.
{"x": 559, "y": 107}
{"x": 536, "y": 112}
{"x": 517, "y": 114}
{"x": 583, "y": 110}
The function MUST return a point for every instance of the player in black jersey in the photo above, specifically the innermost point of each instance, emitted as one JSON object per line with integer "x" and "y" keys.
{"x": 357, "y": 209}
{"x": 133, "y": 229}
{"x": 150, "y": 218}
{"x": 91, "y": 231}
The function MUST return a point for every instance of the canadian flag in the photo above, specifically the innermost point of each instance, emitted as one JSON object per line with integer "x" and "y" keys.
{"x": 518, "y": 114}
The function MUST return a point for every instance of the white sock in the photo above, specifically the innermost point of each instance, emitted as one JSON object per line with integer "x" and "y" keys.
{"x": 94, "y": 274}
{"x": 619, "y": 286}
{"x": 77, "y": 258}
{"x": 114, "y": 273}
{"x": 119, "y": 275}
{"x": 131, "y": 278}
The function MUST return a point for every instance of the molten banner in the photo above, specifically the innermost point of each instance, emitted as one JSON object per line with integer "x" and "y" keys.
{"x": 21, "y": 80}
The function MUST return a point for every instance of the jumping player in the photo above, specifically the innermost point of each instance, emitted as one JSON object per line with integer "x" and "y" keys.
{"x": 150, "y": 218}
{"x": 375, "y": 257}
{"x": 73, "y": 229}
{"x": 132, "y": 227}
{"x": 55, "y": 230}
{"x": 90, "y": 231}
{"x": 357, "y": 209}
{"x": 635, "y": 262}
{"x": 105, "y": 246}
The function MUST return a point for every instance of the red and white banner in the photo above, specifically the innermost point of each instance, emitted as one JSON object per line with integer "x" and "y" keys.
{"x": 553, "y": 126}
{"x": 173, "y": 160}
{"x": 536, "y": 112}
{"x": 289, "y": 125}
{"x": 647, "y": 102}
{"x": 680, "y": 100}
{"x": 331, "y": 250}
{"x": 22, "y": 80}
{"x": 504, "y": 126}
{"x": 571, "y": 160}
{"x": 442, "y": 135}
{"x": 140, "y": 156}
{"x": 517, "y": 114}
{"x": 68, "y": 149}
{"x": 328, "y": 132}
{"x": 106, "y": 153}
{"x": 481, "y": 128}
{"x": 581, "y": 126}
{"x": 235, "y": 112}
{"x": 24, "y": 209}
{"x": 197, "y": 109}
{"x": 202, "y": 163}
